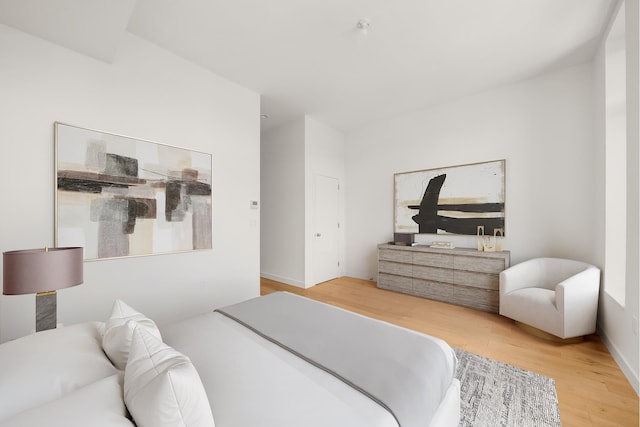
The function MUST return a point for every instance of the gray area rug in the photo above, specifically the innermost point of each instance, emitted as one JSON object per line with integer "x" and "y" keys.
{"x": 496, "y": 394}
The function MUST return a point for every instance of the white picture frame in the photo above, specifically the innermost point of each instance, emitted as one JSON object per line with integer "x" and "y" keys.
{"x": 119, "y": 196}
{"x": 451, "y": 200}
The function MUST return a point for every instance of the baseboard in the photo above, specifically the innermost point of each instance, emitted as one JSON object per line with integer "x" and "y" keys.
{"x": 282, "y": 279}
{"x": 626, "y": 368}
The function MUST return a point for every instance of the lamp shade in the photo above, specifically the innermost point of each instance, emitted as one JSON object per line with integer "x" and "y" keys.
{"x": 34, "y": 271}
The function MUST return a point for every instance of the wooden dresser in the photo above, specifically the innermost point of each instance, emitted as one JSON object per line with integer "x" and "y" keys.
{"x": 459, "y": 276}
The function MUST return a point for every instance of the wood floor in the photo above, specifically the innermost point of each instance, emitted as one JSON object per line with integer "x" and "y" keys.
{"x": 592, "y": 390}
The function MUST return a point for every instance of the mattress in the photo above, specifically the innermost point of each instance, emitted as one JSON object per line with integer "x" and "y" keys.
{"x": 254, "y": 380}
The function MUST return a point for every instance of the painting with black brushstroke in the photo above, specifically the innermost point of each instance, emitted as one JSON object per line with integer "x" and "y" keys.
{"x": 451, "y": 200}
{"x": 119, "y": 196}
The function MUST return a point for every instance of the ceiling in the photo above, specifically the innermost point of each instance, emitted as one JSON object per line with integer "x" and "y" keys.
{"x": 308, "y": 56}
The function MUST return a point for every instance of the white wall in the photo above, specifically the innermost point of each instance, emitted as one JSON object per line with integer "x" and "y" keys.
{"x": 282, "y": 190}
{"x": 618, "y": 324}
{"x": 145, "y": 93}
{"x": 543, "y": 128}
{"x": 325, "y": 155}
{"x": 292, "y": 155}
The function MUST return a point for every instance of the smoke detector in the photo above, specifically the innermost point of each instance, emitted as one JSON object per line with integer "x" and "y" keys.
{"x": 363, "y": 25}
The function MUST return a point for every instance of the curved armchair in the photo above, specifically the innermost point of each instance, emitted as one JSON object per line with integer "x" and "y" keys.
{"x": 554, "y": 295}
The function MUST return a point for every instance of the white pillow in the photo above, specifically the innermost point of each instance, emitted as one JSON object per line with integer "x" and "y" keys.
{"x": 116, "y": 340}
{"x": 45, "y": 366}
{"x": 98, "y": 404}
{"x": 162, "y": 387}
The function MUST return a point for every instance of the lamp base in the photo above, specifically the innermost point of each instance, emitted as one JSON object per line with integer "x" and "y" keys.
{"x": 46, "y": 311}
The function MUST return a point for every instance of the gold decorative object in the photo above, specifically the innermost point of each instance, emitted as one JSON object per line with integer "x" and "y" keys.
{"x": 498, "y": 237}
{"x": 489, "y": 244}
{"x": 480, "y": 234}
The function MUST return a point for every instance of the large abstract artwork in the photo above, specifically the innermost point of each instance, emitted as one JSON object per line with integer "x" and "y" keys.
{"x": 451, "y": 200}
{"x": 118, "y": 196}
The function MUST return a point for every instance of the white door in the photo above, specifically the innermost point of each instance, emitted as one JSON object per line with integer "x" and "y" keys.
{"x": 325, "y": 253}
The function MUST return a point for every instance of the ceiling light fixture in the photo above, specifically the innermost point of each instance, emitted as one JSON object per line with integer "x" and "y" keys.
{"x": 363, "y": 25}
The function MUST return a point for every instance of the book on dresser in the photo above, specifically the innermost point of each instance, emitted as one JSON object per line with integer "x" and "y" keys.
{"x": 461, "y": 276}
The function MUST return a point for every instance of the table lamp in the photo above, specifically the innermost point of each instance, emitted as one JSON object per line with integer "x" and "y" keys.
{"x": 42, "y": 272}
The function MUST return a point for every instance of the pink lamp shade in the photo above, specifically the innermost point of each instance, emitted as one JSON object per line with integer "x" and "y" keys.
{"x": 35, "y": 271}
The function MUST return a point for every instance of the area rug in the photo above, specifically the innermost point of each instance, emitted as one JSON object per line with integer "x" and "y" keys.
{"x": 496, "y": 394}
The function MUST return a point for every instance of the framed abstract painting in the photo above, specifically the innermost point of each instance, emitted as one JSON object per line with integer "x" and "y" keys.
{"x": 451, "y": 200}
{"x": 119, "y": 196}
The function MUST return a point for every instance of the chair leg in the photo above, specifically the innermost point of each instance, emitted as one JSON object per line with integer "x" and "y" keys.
{"x": 546, "y": 335}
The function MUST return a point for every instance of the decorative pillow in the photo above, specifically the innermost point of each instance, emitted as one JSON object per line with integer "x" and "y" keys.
{"x": 162, "y": 387}
{"x": 116, "y": 340}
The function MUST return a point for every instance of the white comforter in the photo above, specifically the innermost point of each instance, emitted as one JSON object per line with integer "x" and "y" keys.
{"x": 252, "y": 382}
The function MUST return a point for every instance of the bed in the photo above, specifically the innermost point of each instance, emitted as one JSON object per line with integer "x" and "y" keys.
{"x": 277, "y": 360}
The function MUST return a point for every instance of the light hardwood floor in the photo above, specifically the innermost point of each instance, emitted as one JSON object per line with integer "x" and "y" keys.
{"x": 592, "y": 390}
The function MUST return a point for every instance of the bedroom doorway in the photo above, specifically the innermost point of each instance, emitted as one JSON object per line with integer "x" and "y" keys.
{"x": 326, "y": 217}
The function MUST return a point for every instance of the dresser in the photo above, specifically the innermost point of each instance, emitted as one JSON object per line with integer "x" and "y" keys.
{"x": 459, "y": 276}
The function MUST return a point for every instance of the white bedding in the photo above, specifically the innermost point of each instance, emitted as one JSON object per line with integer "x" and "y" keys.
{"x": 249, "y": 380}
{"x": 42, "y": 367}
{"x": 252, "y": 382}
{"x": 241, "y": 370}
{"x": 60, "y": 377}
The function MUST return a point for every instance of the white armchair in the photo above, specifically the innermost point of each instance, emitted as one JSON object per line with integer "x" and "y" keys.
{"x": 554, "y": 295}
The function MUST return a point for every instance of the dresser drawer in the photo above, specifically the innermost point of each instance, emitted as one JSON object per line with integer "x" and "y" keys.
{"x": 433, "y": 260}
{"x": 397, "y": 256}
{"x": 433, "y": 290}
{"x": 391, "y": 282}
{"x": 476, "y": 280}
{"x": 480, "y": 299}
{"x": 395, "y": 268}
{"x": 435, "y": 274}
{"x": 479, "y": 264}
